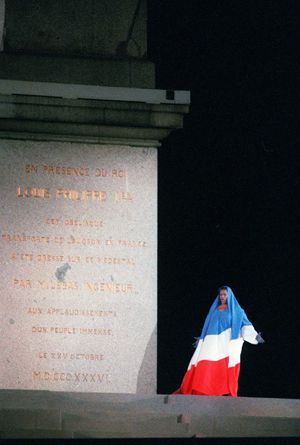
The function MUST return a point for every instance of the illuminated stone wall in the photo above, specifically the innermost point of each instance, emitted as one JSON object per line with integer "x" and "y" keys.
{"x": 78, "y": 241}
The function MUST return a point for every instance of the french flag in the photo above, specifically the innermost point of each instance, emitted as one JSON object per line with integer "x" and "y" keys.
{"x": 215, "y": 365}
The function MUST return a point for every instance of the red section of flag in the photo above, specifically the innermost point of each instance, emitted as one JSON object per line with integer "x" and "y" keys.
{"x": 210, "y": 378}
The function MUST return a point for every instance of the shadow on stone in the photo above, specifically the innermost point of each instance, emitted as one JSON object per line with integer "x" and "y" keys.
{"x": 146, "y": 381}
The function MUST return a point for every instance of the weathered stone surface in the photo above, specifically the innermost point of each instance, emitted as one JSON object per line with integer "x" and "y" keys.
{"x": 240, "y": 406}
{"x": 78, "y": 70}
{"x": 94, "y": 28}
{"x": 104, "y": 121}
{"x": 240, "y": 426}
{"x": 139, "y": 423}
{"x": 128, "y": 415}
{"x": 78, "y": 267}
{"x": 36, "y": 434}
{"x": 39, "y": 419}
{"x": 22, "y": 418}
{"x": 87, "y": 42}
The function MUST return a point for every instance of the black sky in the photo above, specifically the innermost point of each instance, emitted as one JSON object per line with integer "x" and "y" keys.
{"x": 228, "y": 182}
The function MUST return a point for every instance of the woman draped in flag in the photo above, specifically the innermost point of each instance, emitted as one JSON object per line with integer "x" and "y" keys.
{"x": 215, "y": 365}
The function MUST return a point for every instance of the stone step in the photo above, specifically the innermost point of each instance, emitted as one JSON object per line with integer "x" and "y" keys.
{"x": 136, "y": 426}
{"x": 30, "y": 419}
{"x": 244, "y": 427}
{"x": 235, "y": 406}
{"x": 55, "y": 414}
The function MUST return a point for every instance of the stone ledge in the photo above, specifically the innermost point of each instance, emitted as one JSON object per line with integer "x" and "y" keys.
{"x": 87, "y": 120}
{"x": 133, "y": 142}
{"x": 36, "y": 434}
{"x": 57, "y": 414}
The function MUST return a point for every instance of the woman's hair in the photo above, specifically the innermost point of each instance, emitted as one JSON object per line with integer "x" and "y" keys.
{"x": 222, "y": 288}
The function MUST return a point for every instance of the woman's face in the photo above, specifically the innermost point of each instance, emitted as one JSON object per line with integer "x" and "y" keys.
{"x": 223, "y": 296}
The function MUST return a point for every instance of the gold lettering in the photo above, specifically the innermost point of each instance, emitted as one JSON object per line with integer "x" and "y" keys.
{"x": 34, "y": 310}
{"x": 36, "y": 375}
{"x": 22, "y": 283}
{"x": 74, "y": 312}
{"x": 76, "y": 376}
{"x": 84, "y": 241}
{"x": 126, "y": 243}
{"x": 74, "y": 259}
{"x": 102, "y": 377}
{"x": 101, "y": 172}
{"x": 39, "y": 329}
{"x": 95, "y": 331}
{"x": 131, "y": 243}
{"x": 33, "y": 192}
{"x": 59, "y": 239}
{"x": 62, "y": 330}
{"x": 50, "y": 258}
{"x": 115, "y": 261}
{"x": 94, "y": 195}
{"x": 23, "y": 237}
{"x": 83, "y": 223}
{"x": 22, "y": 256}
{"x": 29, "y": 168}
{"x": 67, "y": 194}
{"x": 62, "y": 170}
{"x": 109, "y": 287}
{"x": 84, "y": 195}
{"x": 41, "y": 284}
{"x": 123, "y": 196}
{"x": 42, "y": 355}
{"x": 119, "y": 173}
{"x": 62, "y": 285}
{"x": 54, "y": 221}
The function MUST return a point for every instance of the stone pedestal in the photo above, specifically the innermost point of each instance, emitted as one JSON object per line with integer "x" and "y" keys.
{"x": 41, "y": 414}
{"x": 78, "y": 241}
{"x": 78, "y": 266}
{"x": 101, "y": 42}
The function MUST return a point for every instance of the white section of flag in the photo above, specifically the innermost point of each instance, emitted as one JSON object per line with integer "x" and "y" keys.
{"x": 249, "y": 334}
{"x": 218, "y": 347}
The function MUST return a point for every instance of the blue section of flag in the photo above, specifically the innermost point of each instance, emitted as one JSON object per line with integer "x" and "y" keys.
{"x": 218, "y": 321}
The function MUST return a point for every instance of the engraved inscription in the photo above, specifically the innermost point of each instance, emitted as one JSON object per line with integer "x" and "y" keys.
{"x": 69, "y": 330}
{"x": 77, "y": 251}
{"x": 109, "y": 287}
{"x": 65, "y": 356}
{"x": 68, "y": 376}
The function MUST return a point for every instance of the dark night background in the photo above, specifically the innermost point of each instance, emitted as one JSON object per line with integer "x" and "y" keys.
{"x": 228, "y": 182}
{"x": 228, "y": 186}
